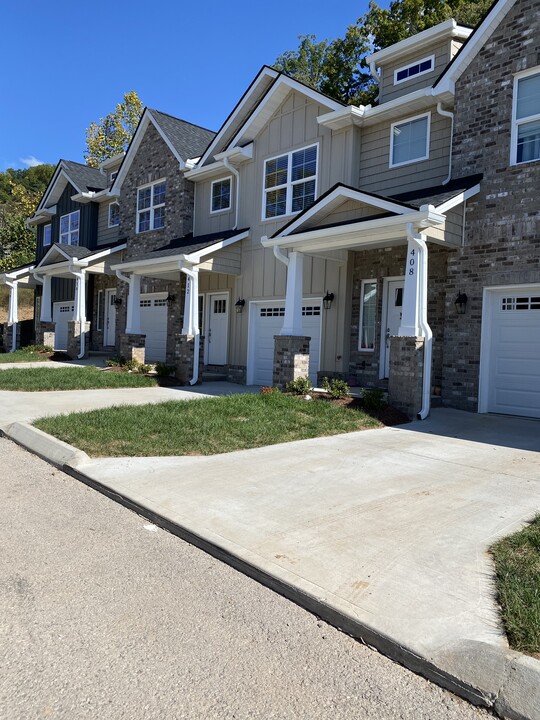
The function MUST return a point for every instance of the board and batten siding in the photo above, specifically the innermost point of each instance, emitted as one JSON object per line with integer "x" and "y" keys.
{"x": 375, "y": 173}
{"x": 105, "y": 234}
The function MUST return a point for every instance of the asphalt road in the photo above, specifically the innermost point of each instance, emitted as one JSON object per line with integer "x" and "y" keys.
{"x": 103, "y": 616}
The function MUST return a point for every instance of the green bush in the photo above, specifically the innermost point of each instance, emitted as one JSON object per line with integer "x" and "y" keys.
{"x": 115, "y": 362}
{"x": 38, "y": 348}
{"x": 268, "y": 390}
{"x": 143, "y": 368}
{"x": 164, "y": 370}
{"x": 336, "y": 388}
{"x": 300, "y": 386}
{"x": 373, "y": 400}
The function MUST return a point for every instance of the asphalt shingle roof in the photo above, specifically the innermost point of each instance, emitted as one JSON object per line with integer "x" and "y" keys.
{"x": 189, "y": 244}
{"x": 86, "y": 178}
{"x": 189, "y": 141}
{"x": 438, "y": 194}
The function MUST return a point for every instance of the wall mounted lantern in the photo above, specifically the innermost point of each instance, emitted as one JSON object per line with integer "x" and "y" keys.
{"x": 117, "y": 301}
{"x": 239, "y": 305}
{"x": 461, "y": 303}
{"x": 328, "y": 299}
{"x": 170, "y": 299}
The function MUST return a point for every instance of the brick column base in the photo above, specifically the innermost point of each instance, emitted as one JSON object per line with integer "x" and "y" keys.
{"x": 8, "y": 336}
{"x": 291, "y": 358}
{"x": 406, "y": 374}
{"x": 184, "y": 347}
{"x": 132, "y": 347}
{"x": 75, "y": 330}
{"x": 45, "y": 333}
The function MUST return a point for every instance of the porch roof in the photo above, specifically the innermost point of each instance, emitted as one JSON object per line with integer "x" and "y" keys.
{"x": 60, "y": 259}
{"x": 22, "y": 274}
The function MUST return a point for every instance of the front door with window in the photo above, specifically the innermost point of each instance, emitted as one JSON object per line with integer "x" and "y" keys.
{"x": 217, "y": 329}
{"x": 110, "y": 317}
{"x": 391, "y": 319}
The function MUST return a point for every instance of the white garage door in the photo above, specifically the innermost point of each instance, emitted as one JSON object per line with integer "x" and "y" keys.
{"x": 514, "y": 353}
{"x": 62, "y": 314}
{"x": 268, "y": 322}
{"x": 154, "y": 326}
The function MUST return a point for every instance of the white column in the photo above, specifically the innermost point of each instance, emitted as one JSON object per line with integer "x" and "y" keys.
{"x": 133, "y": 322}
{"x": 191, "y": 302}
{"x": 13, "y": 308}
{"x": 80, "y": 297}
{"x": 411, "y": 311}
{"x": 45, "y": 314}
{"x": 292, "y": 323}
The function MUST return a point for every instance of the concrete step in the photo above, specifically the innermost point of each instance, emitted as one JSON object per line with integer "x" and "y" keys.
{"x": 213, "y": 377}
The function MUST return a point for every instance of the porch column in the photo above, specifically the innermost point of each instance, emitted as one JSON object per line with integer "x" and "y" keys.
{"x": 80, "y": 297}
{"x": 11, "y": 326}
{"x": 45, "y": 313}
{"x": 133, "y": 321}
{"x": 191, "y": 303}
{"x": 187, "y": 353}
{"x": 292, "y": 323}
{"x": 410, "y": 315}
{"x": 78, "y": 328}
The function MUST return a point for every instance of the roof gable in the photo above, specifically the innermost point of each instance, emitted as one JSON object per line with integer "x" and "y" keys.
{"x": 82, "y": 177}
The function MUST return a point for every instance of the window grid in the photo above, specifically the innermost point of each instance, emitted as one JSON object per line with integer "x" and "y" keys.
{"x": 160, "y": 303}
{"x": 151, "y": 207}
{"x": 290, "y": 182}
{"x": 221, "y": 195}
{"x": 521, "y": 303}
{"x": 526, "y": 116}
{"x": 414, "y": 70}
{"x": 307, "y": 311}
{"x": 69, "y": 228}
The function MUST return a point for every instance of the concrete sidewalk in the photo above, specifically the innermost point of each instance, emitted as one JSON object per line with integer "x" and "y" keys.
{"x": 383, "y": 533}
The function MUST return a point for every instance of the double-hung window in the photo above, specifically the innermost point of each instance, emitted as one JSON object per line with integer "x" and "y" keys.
{"x": 151, "y": 206}
{"x": 290, "y": 182}
{"x": 526, "y": 112}
{"x": 221, "y": 195}
{"x": 47, "y": 235}
{"x": 114, "y": 214}
{"x": 69, "y": 228}
{"x": 368, "y": 309}
{"x": 409, "y": 140}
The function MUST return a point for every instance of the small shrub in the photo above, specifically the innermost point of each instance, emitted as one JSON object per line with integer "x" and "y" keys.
{"x": 164, "y": 370}
{"x": 38, "y": 348}
{"x": 373, "y": 400}
{"x": 300, "y": 386}
{"x": 143, "y": 368}
{"x": 336, "y": 388}
{"x": 265, "y": 390}
{"x": 115, "y": 362}
{"x": 132, "y": 365}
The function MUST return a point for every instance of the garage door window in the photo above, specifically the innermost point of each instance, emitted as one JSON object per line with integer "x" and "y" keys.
{"x": 521, "y": 303}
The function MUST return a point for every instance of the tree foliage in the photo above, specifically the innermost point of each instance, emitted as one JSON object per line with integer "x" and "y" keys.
{"x": 338, "y": 68}
{"x": 112, "y": 134}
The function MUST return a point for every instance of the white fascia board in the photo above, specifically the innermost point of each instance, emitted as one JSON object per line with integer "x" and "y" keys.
{"x": 347, "y": 194}
{"x": 458, "y": 199}
{"x": 205, "y": 171}
{"x": 195, "y": 258}
{"x": 490, "y": 23}
{"x": 60, "y": 268}
{"x": 447, "y": 29}
{"x": 344, "y": 117}
{"x": 61, "y": 172}
{"x": 99, "y": 254}
{"x": 236, "y": 154}
{"x": 110, "y": 162}
{"x": 16, "y": 274}
{"x": 52, "y": 251}
{"x": 166, "y": 140}
{"x": 266, "y": 72}
{"x": 43, "y": 216}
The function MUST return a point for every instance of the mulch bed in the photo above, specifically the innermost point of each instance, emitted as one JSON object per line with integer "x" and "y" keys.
{"x": 388, "y": 415}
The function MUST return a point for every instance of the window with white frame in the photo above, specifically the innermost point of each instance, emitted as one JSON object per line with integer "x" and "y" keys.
{"x": 114, "y": 214}
{"x": 221, "y": 195}
{"x": 419, "y": 67}
{"x": 151, "y": 206}
{"x": 368, "y": 309}
{"x": 526, "y": 116}
{"x": 69, "y": 228}
{"x": 290, "y": 182}
{"x": 47, "y": 235}
{"x": 409, "y": 140}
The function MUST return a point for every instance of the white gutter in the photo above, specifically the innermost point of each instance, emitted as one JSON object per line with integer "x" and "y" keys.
{"x": 422, "y": 319}
{"x": 280, "y": 255}
{"x": 448, "y": 114}
{"x": 237, "y": 189}
{"x": 193, "y": 275}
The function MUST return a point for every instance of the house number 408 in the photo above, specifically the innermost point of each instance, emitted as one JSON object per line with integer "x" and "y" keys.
{"x": 412, "y": 262}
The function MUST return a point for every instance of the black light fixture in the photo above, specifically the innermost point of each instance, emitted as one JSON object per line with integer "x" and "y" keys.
{"x": 117, "y": 301}
{"x": 170, "y": 299}
{"x": 461, "y": 303}
{"x": 328, "y": 299}
{"x": 239, "y": 305}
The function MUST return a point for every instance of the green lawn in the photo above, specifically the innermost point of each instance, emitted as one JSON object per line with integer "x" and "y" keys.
{"x": 517, "y": 568}
{"x": 204, "y": 427}
{"x": 69, "y": 378}
{"x": 22, "y": 355}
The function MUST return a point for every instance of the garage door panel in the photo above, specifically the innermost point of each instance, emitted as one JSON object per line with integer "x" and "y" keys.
{"x": 62, "y": 314}
{"x": 154, "y": 326}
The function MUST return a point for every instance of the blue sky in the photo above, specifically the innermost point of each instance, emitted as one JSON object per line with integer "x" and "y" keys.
{"x": 67, "y": 63}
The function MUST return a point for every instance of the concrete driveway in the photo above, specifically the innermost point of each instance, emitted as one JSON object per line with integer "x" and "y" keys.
{"x": 383, "y": 532}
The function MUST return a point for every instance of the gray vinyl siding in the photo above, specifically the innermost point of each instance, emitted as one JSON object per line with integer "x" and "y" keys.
{"x": 105, "y": 234}
{"x": 453, "y": 229}
{"x": 375, "y": 173}
{"x": 389, "y": 91}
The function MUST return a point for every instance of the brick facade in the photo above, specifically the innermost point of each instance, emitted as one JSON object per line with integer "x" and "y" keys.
{"x": 45, "y": 333}
{"x": 8, "y": 336}
{"x": 184, "y": 357}
{"x": 75, "y": 330}
{"x": 131, "y": 347}
{"x": 406, "y": 374}
{"x": 502, "y": 239}
{"x": 291, "y": 358}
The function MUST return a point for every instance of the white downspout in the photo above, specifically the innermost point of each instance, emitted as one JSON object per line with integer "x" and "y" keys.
{"x": 280, "y": 255}
{"x": 13, "y": 315}
{"x": 237, "y": 189}
{"x": 420, "y": 243}
{"x": 80, "y": 306}
{"x": 194, "y": 276}
{"x": 448, "y": 114}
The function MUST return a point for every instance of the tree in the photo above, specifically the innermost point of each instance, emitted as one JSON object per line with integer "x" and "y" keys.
{"x": 112, "y": 134}
{"x": 338, "y": 68}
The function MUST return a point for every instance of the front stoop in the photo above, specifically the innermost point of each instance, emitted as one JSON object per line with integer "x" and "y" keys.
{"x": 406, "y": 374}
{"x": 291, "y": 358}
{"x": 131, "y": 346}
{"x": 75, "y": 331}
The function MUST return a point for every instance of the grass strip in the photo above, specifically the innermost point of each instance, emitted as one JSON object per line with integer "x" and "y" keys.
{"x": 203, "y": 427}
{"x": 20, "y": 356}
{"x": 517, "y": 570}
{"x": 69, "y": 378}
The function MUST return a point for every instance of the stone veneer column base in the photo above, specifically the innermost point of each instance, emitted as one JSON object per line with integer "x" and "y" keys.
{"x": 291, "y": 358}
{"x": 184, "y": 348}
{"x": 131, "y": 346}
{"x": 45, "y": 333}
{"x": 406, "y": 374}
{"x": 8, "y": 336}
{"x": 75, "y": 330}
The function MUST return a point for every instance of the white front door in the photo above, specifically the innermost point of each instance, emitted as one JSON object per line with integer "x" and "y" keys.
{"x": 393, "y": 304}
{"x": 217, "y": 329}
{"x": 62, "y": 314}
{"x": 110, "y": 317}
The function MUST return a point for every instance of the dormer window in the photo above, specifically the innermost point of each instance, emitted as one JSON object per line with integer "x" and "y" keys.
{"x": 419, "y": 67}
{"x": 69, "y": 228}
{"x": 290, "y": 182}
{"x": 151, "y": 206}
{"x": 526, "y": 117}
